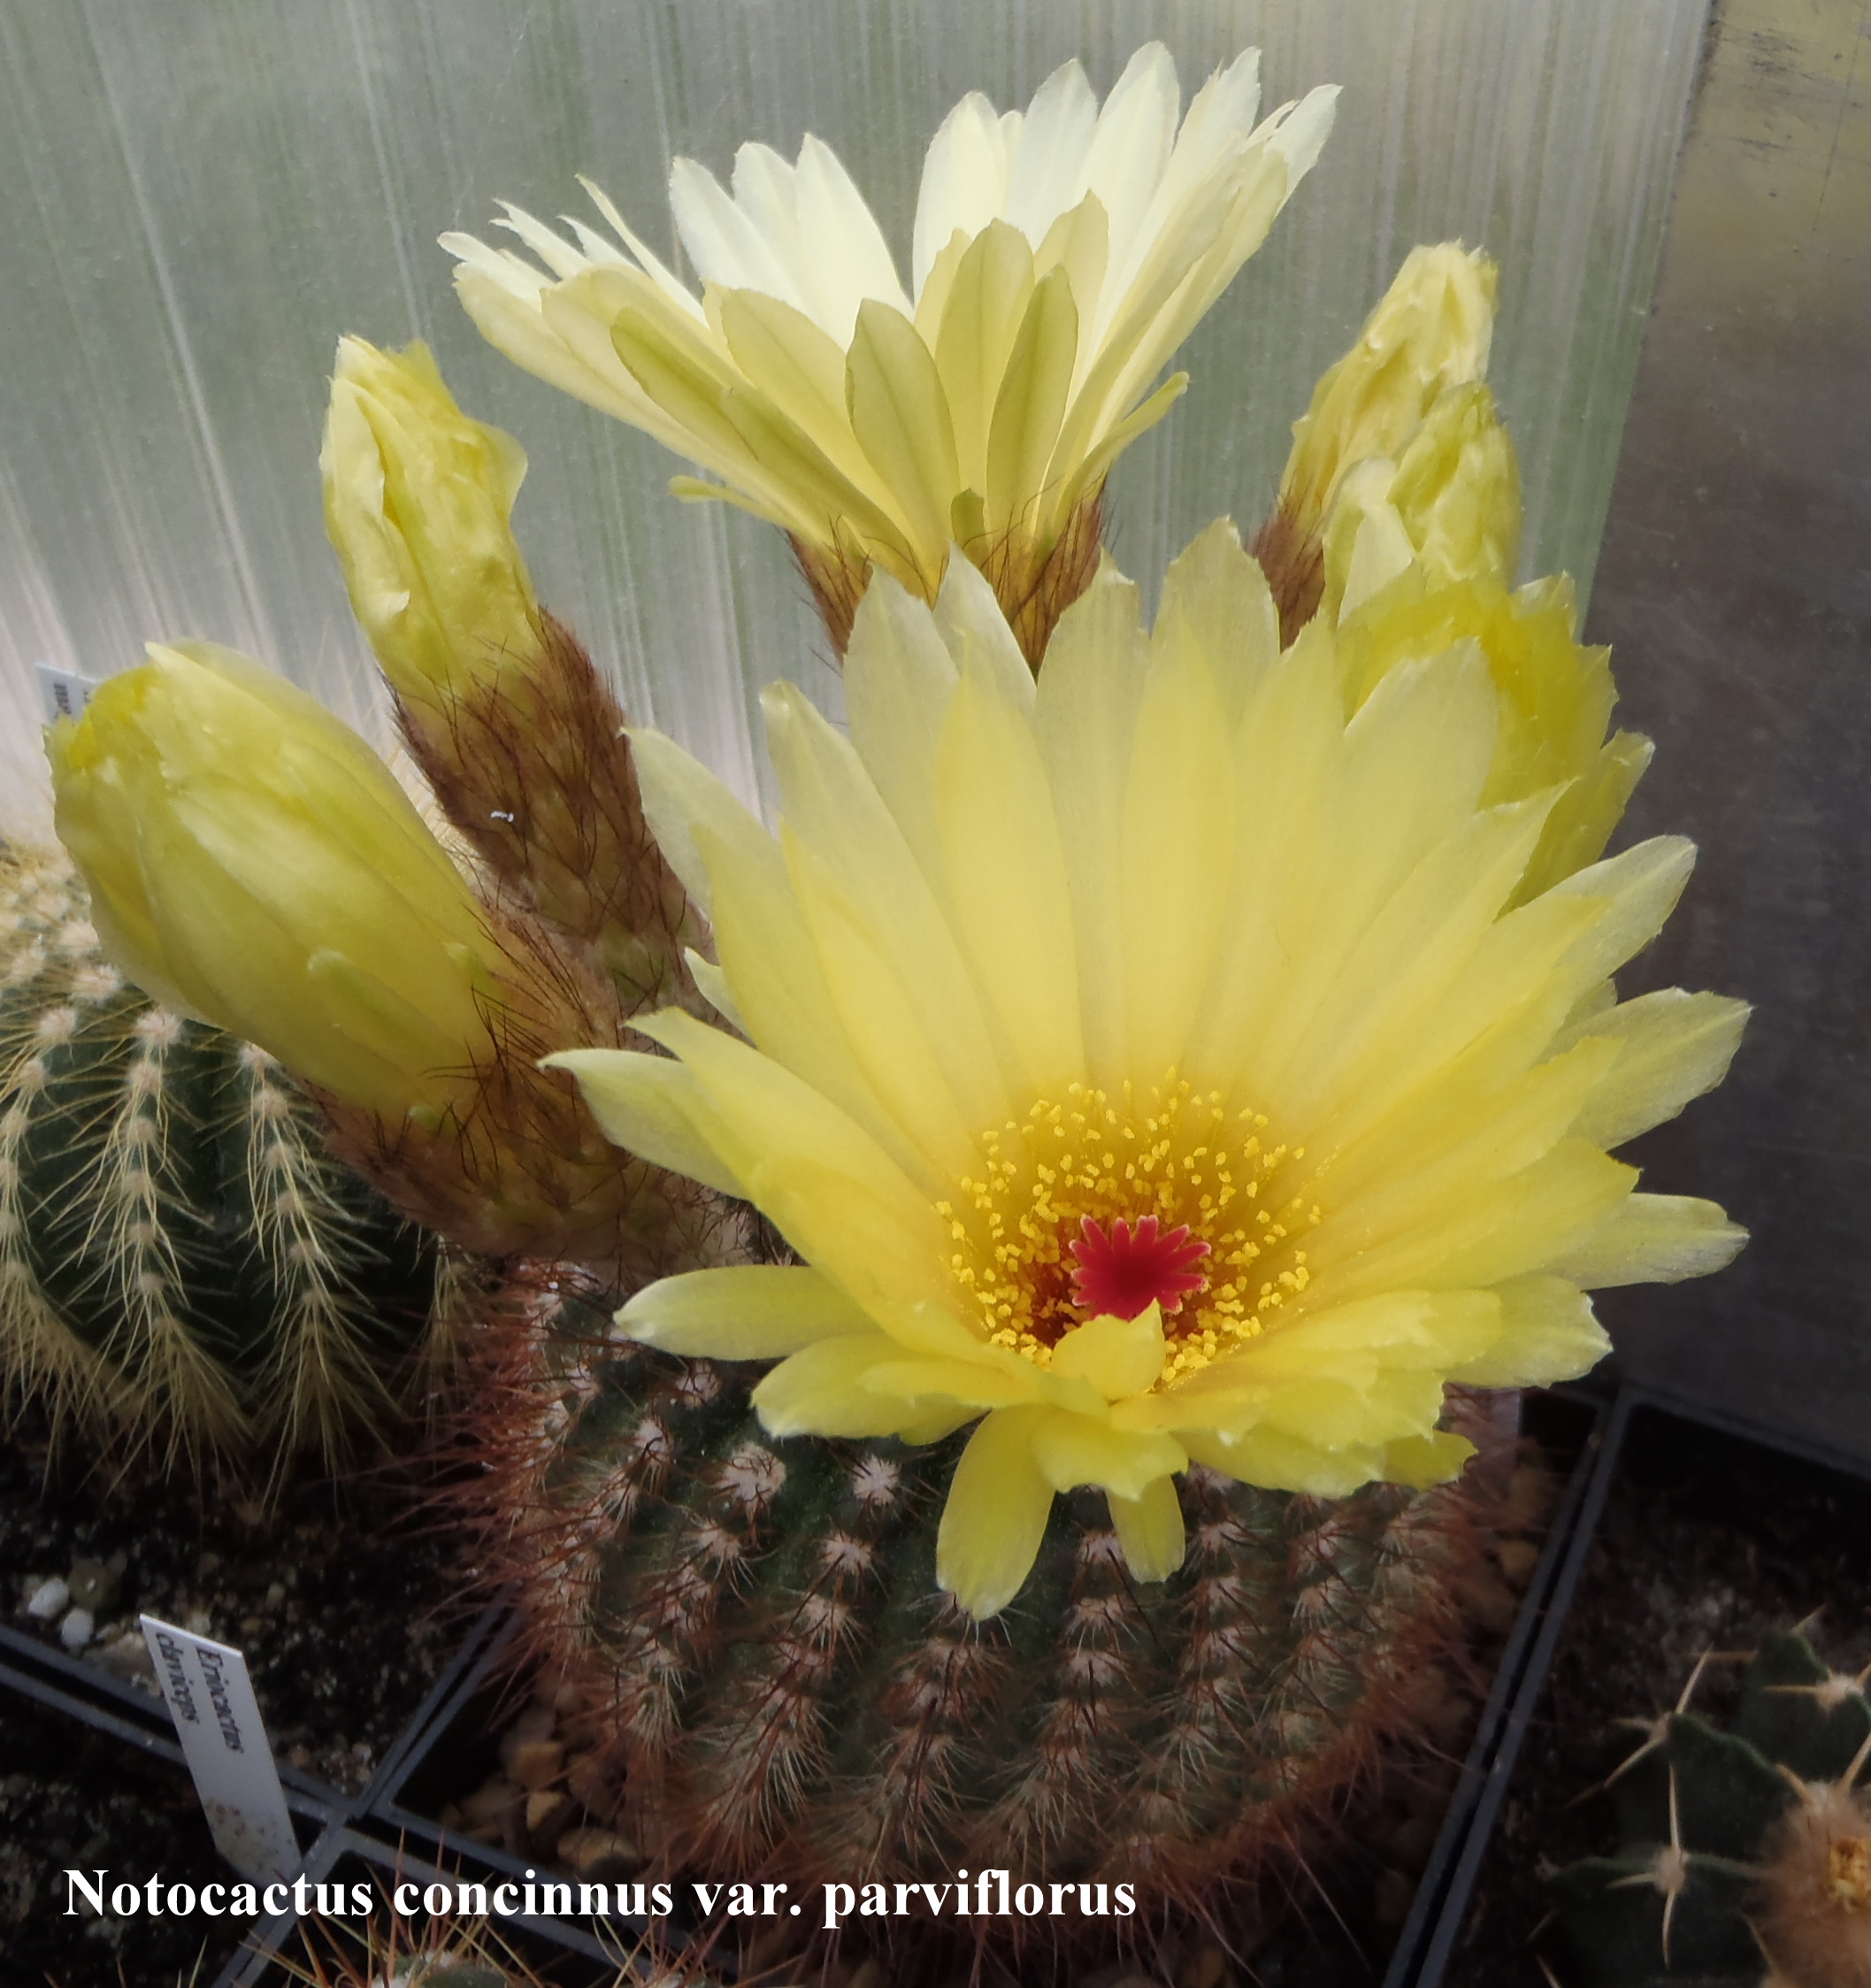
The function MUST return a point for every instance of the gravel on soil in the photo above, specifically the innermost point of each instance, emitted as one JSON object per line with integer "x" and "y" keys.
{"x": 346, "y": 1600}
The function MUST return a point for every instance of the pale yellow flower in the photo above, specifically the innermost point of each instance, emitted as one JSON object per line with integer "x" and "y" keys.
{"x": 1147, "y": 1063}
{"x": 251, "y": 862}
{"x": 1060, "y": 257}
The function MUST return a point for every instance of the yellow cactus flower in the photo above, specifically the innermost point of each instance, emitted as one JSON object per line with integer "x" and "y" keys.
{"x": 1403, "y": 421}
{"x": 1147, "y": 1063}
{"x": 416, "y": 500}
{"x": 251, "y": 862}
{"x": 1060, "y": 257}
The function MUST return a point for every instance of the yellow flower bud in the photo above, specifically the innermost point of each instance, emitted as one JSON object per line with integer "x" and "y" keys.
{"x": 1430, "y": 332}
{"x": 1451, "y": 507}
{"x": 252, "y": 862}
{"x": 1456, "y": 490}
{"x": 416, "y": 501}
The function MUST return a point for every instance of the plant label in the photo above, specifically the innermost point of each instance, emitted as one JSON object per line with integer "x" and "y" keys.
{"x": 63, "y": 692}
{"x": 224, "y": 1740}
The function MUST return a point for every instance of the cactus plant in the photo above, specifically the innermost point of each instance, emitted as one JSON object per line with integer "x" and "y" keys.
{"x": 770, "y": 1679}
{"x": 179, "y": 1261}
{"x": 1744, "y": 1850}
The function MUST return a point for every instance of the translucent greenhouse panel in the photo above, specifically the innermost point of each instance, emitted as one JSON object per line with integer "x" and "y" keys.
{"x": 202, "y": 195}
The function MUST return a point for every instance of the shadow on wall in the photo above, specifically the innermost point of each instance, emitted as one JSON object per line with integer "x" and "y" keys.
{"x": 1736, "y": 584}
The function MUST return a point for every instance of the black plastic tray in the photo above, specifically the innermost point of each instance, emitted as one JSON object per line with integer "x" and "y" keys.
{"x": 64, "y": 1686}
{"x": 1638, "y": 1414}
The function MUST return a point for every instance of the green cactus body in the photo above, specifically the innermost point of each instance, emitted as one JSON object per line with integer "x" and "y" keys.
{"x": 179, "y": 1261}
{"x": 770, "y": 1679}
{"x": 1744, "y": 1853}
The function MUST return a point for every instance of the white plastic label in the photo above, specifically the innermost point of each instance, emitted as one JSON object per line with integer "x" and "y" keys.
{"x": 217, "y": 1721}
{"x": 63, "y": 692}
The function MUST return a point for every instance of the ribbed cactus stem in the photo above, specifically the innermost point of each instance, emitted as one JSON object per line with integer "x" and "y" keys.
{"x": 1745, "y": 1847}
{"x": 772, "y": 1679}
{"x": 182, "y": 1263}
{"x": 138, "y": 1247}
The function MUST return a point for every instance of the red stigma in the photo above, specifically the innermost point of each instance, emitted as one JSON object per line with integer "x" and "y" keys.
{"x": 1119, "y": 1271}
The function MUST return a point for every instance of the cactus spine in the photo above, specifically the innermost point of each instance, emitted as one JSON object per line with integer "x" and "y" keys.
{"x": 771, "y": 1680}
{"x": 1744, "y": 1853}
{"x": 179, "y": 1261}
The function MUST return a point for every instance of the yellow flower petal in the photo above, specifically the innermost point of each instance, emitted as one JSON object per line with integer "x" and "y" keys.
{"x": 656, "y": 1108}
{"x": 1548, "y": 1333}
{"x": 749, "y": 1312}
{"x": 1075, "y": 1449}
{"x": 1420, "y": 1461}
{"x": 1004, "y": 868}
{"x": 982, "y": 312}
{"x": 1031, "y": 403}
{"x": 900, "y": 415}
{"x": 1150, "y": 1531}
{"x": 996, "y": 1513}
{"x": 1676, "y": 1045}
{"x": 1652, "y": 1238}
{"x": 1118, "y": 1357}
{"x": 822, "y": 1390}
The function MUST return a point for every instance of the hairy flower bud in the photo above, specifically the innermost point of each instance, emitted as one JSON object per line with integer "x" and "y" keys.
{"x": 521, "y": 740}
{"x": 252, "y": 862}
{"x": 416, "y": 501}
{"x": 1426, "y": 342}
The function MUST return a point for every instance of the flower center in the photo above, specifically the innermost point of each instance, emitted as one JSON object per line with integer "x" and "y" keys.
{"x": 1125, "y": 1269}
{"x": 1101, "y": 1204}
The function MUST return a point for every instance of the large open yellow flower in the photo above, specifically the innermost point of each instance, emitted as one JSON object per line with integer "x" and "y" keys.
{"x": 1060, "y": 257}
{"x": 1152, "y": 1062}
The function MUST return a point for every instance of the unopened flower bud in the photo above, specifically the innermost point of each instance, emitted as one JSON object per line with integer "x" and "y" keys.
{"x": 417, "y": 502}
{"x": 252, "y": 862}
{"x": 1427, "y": 340}
{"x": 1430, "y": 331}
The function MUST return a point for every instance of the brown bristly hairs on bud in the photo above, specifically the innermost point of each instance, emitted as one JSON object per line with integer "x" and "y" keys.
{"x": 1034, "y": 588}
{"x": 1293, "y": 561}
{"x": 769, "y": 1679}
{"x": 536, "y": 773}
{"x": 518, "y": 1165}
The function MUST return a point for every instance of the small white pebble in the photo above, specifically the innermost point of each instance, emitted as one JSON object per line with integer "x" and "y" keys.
{"x": 75, "y": 1630}
{"x": 277, "y": 1592}
{"x": 48, "y": 1599}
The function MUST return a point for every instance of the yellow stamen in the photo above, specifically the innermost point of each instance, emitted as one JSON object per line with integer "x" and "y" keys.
{"x": 1177, "y": 1154}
